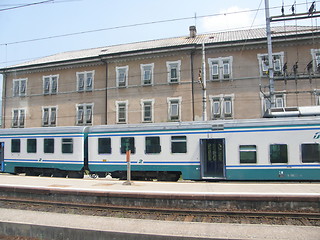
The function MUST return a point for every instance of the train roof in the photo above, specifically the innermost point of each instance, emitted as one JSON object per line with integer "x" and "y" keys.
{"x": 44, "y": 130}
{"x": 208, "y": 125}
{"x": 213, "y": 124}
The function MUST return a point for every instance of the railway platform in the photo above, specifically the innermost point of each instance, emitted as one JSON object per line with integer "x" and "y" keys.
{"x": 215, "y": 196}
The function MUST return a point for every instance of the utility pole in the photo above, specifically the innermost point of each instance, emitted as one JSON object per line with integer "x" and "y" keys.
{"x": 204, "y": 85}
{"x": 270, "y": 57}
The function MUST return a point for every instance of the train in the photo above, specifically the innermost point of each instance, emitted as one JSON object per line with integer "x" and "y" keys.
{"x": 253, "y": 149}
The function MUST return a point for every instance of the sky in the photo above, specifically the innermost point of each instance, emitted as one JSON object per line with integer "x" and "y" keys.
{"x": 42, "y": 29}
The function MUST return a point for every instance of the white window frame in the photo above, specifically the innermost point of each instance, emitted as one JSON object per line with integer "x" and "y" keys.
{"x": 82, "y": 85}
{"x": 18, "y": 89}
{"x": 279, "y": 100}
{"x": 266, "y": 102}
{"x": 52, "y": 113}
{"x": 176, "y": 101}
{"x": 126, "y": 78}
{"x": 315, "y": 53}
{"x": 18, "y": 118}
{"x": 144, "y": 68}
{"x": 221, "y": 102}
{"x": 171, "y": 65}
{"x": 143, "y": 103}
{"x": 216, "y": 68}
{"x": 118, "y": 120}
{"x": 49, "y": 89}
{"x": 82, "y": 118}
{"x": 264, "y": 65}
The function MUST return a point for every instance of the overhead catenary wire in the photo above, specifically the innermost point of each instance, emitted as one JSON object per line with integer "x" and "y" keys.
{"x": 133, "y": 25}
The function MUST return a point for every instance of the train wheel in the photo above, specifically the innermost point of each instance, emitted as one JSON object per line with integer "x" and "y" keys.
{"x": 31, "y": 172}
{"x": 59, "y": 173}
{"x": 75, "y": 174}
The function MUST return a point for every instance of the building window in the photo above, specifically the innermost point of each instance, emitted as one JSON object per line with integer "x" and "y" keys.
{"x": 279, "y": 101}
{"x": 122, "y": 111}
{"x": 49, "y": 116}
{"x": 147, "y": 74}
{"x": 178, "y": 144}
{"x": 19, "y": 87}
{"x": 32, "y": 145}
{"x": 310, "y": 152}
{"x": 18, "y": 118}
{"x": 317, "y": 98}
{"x": 127, "y": 143}
{"x": 278, "y": 153}
{"x": 174, "y": 109}
{"x": 67, "y": 145}
{"x": 84, "y": 114}
{"x": 316, "y": 60}
{"x": 277, "y": 64}
{"x": 153, "y": 145}
{"x": 220, "y": 68}
{"x": 248, "y": 153}
{"x": 48, "y": 145}
{"x": 104, "y": 145}
{"x": 147, "y": 110}
{"x": 122, "y": 76}
{"x": 222, "y": 106}
{"x": 15, "y": 145}
{"x": 85, "y": 81}
{"x": 50, "y": 84}
{"x": 173, "y": 69}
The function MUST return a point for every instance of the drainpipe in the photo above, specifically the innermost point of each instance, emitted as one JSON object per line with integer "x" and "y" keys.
{"x": 106, "y": 99}
{"x": 4, "y": 96}
{"x": 192, "y": 82}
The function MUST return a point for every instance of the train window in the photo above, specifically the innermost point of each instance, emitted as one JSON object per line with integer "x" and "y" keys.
{"x": 178, "y": 144}
{"x": 48, "y": 145}
{"x": 248, "y": 153}
{"x": 153, "y": 145}
{"x": 67, "y": 145}
{"x": 31, "y": 145}
{"x": 127, "y": 143}
{"x": 15, "y": 145}
{"x": 278, "y": 153}
{"x": 104, "y": 145}
{"x": 310, "y": 152}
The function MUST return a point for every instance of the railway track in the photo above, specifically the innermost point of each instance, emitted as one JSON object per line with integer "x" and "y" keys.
{"x": 186, "y": 215}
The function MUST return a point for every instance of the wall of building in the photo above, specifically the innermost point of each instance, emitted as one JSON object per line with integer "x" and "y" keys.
{"x": 244, "y": 88}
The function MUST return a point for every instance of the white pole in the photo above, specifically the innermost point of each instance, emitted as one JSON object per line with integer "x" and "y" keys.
{"x": 128, "y": 154}
{"x": 204, "y": 85}
{"x": 270, "y": 57}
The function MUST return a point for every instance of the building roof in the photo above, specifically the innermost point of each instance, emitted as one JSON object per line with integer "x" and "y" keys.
{"x": 184, "y": 41}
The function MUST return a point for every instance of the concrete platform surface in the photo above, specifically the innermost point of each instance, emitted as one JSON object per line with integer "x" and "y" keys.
{"x": 159, "y": 228}
{"x": 112, "y": 185}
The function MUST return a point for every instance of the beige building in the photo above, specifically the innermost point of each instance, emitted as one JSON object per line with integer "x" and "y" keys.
{"x": 158, "y": 81}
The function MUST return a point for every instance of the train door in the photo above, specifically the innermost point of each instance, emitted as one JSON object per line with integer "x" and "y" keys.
{"x": 212, "y": 157}
{"x": 1, "y": 156}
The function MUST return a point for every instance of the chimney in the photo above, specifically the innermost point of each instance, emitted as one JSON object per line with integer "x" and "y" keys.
{"x": 193, "y": 31}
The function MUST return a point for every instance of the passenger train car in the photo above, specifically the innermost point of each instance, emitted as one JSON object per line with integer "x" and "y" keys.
{"x": 263, "y": 149}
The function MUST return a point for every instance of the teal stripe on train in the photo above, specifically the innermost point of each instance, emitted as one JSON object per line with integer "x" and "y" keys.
{"x": 273, "y": 174}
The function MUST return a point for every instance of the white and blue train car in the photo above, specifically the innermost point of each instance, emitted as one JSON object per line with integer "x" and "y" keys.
{"x": 57, "y": 151}
{"x": 162, "y": 151}
{"x": 263, "y": 149}
{"x": 270, "y": 149}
